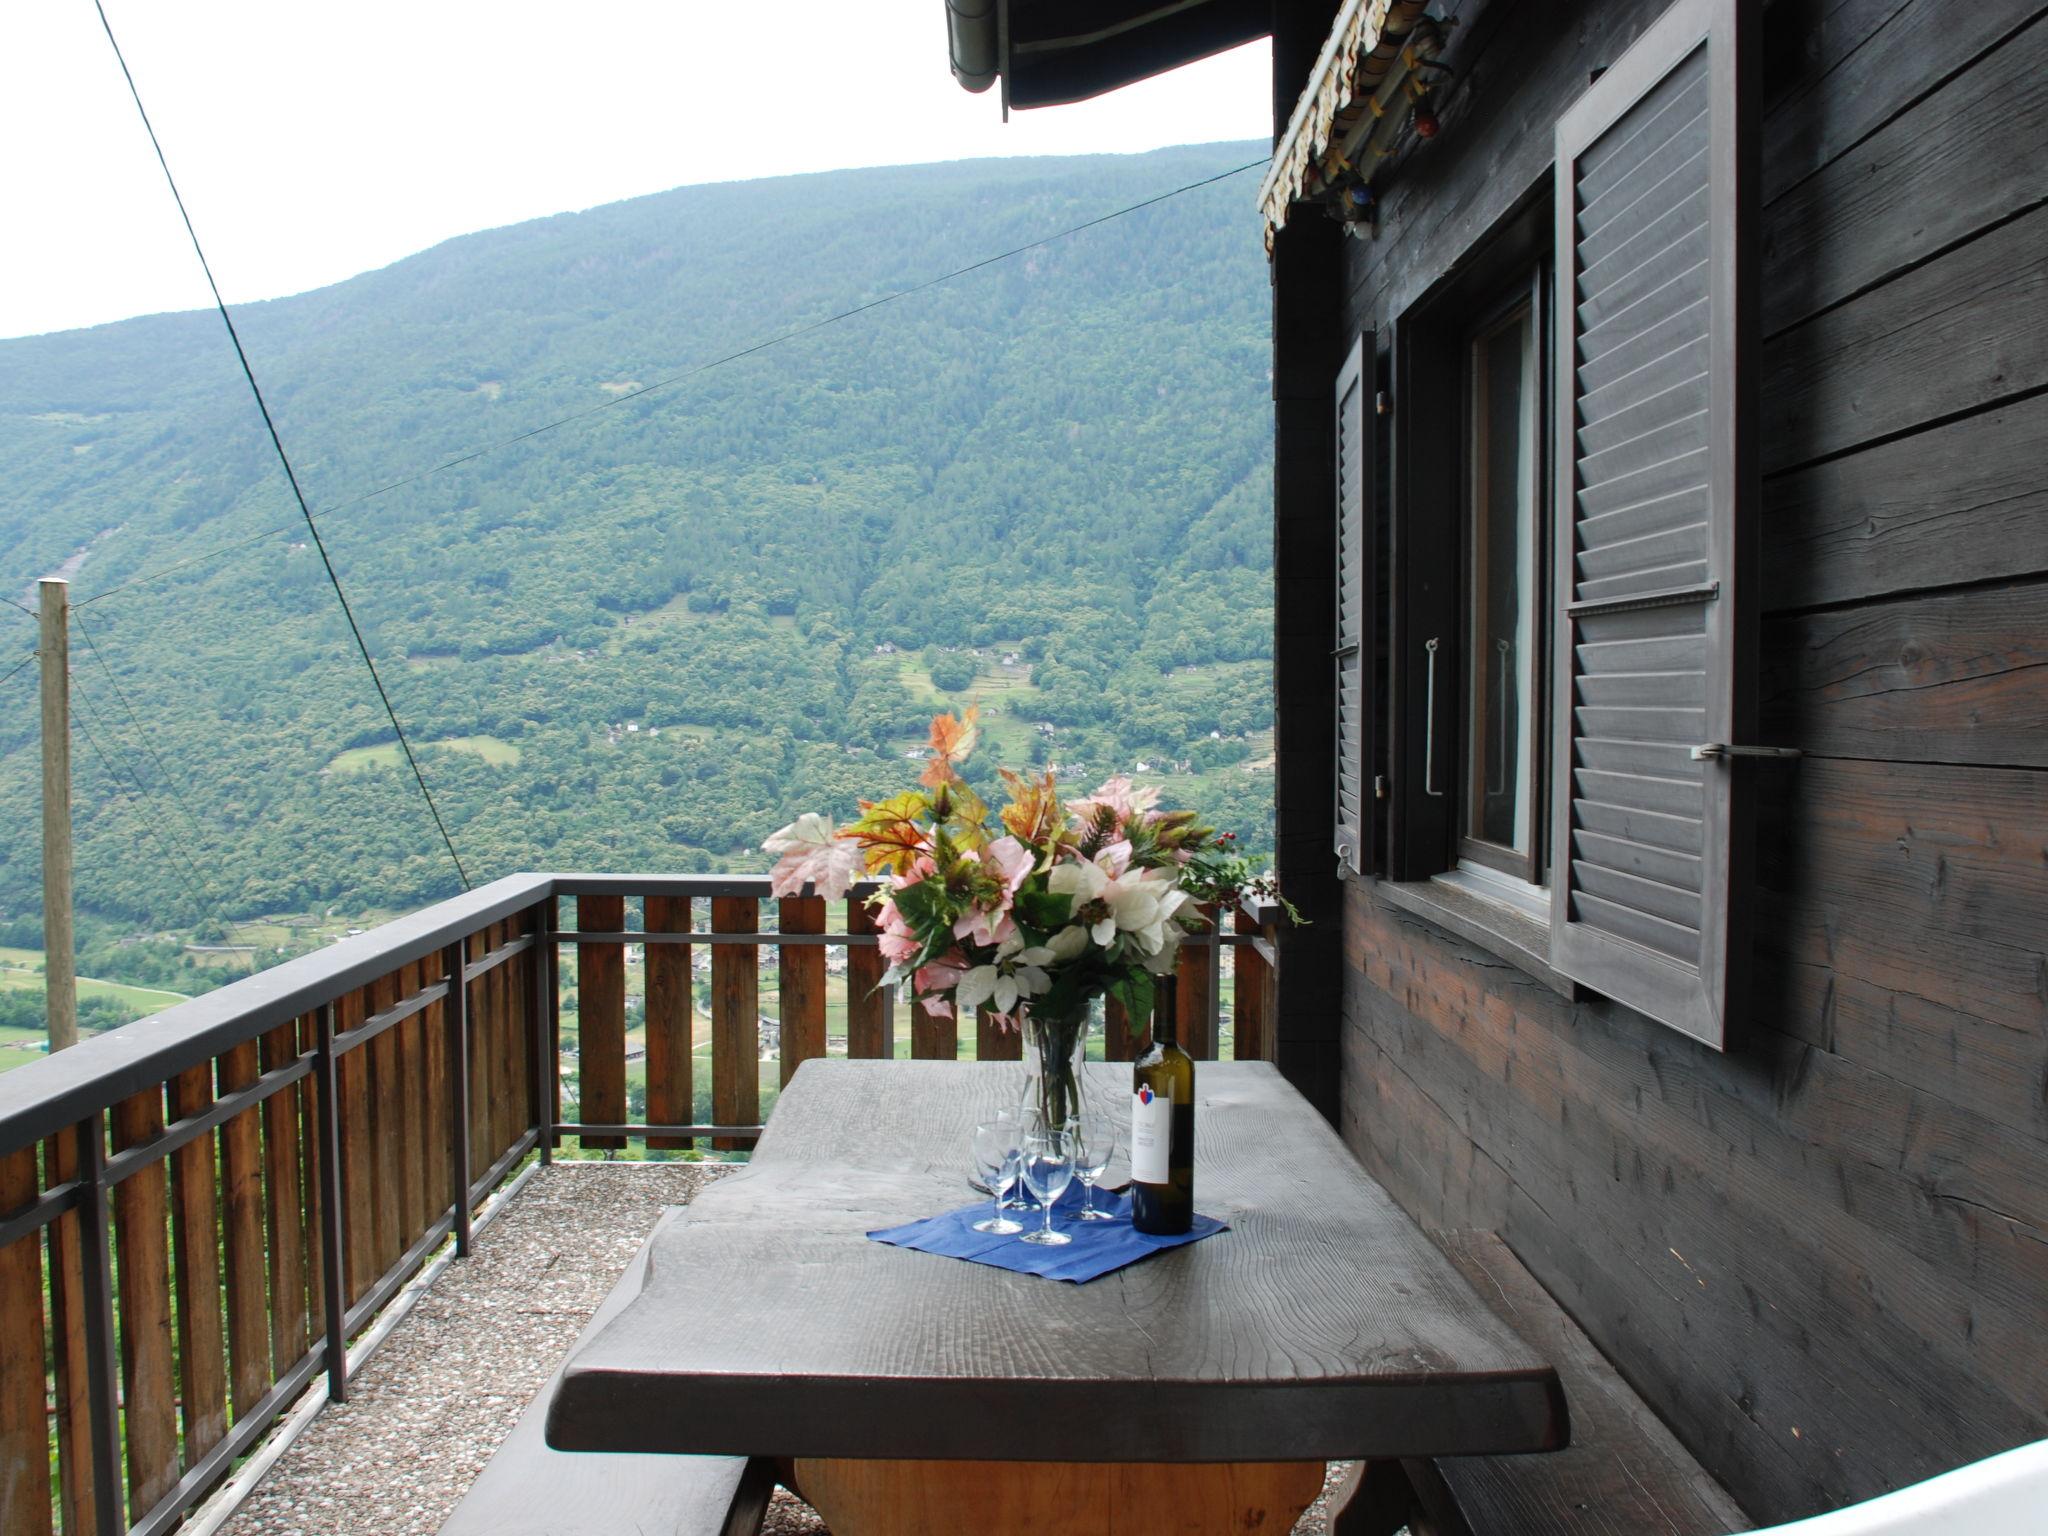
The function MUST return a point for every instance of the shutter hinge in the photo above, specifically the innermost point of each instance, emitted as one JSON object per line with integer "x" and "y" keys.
{"x": 1383, "y": 403}
{"x": 1379, "y": 786}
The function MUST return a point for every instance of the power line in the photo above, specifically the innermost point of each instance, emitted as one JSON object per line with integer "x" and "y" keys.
{"x": 678, "y": 378}
{"x": 170, "y": 784}
{"x": 24, "y": 607}
{"x": 21, "y": 666}
{"x": 283, "y": 458}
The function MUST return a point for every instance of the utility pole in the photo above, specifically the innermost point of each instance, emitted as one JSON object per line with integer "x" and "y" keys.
{"x": 60, "y": 963}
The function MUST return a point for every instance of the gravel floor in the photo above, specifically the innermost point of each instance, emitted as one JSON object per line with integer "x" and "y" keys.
{"x": 431, "y": 1406}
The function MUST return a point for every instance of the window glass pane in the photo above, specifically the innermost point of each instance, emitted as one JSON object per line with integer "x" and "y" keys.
{"x": 1502, "y": 600}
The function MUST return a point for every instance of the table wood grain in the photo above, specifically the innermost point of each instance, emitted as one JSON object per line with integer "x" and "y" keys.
{"x": 1324, "y": 1324}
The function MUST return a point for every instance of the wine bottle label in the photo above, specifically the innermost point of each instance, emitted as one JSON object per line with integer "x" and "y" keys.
{"x": 1151, "y": 1136}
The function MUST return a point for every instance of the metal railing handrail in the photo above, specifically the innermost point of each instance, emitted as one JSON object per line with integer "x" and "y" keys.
{"x": 62, "y": 1089}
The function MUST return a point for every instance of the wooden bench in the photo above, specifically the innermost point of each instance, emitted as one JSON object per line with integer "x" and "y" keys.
{"x": 528, "y": 1489}
{"x": 1623, "y": 1471}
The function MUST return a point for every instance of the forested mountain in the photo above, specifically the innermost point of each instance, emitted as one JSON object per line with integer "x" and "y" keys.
{"x": 648, "y": 637}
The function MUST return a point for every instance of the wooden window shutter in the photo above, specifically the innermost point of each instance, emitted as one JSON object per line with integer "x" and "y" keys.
{"x": 1354, "y": 649}
{"x": 1654, "y": 654}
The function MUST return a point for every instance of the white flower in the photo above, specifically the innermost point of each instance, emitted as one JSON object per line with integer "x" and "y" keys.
{"x": 1068, "y": 943}
{"x": 1001, "y": 984}
{"x": 1140, "y": 902}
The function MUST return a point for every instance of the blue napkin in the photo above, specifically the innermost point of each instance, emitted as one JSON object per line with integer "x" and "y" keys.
{"x": 1097, "y": 1249}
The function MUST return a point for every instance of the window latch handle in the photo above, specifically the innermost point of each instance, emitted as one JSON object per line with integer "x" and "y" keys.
{"x": 1429, "y": 725}
{"x": 1721, "y": 752}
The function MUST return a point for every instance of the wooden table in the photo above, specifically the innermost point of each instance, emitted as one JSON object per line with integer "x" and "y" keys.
{"x": 1324, "y": 1325}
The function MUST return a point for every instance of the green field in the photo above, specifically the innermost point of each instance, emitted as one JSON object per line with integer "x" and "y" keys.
{"x": 494, "y": 750}
{"x": 21, "y": 970}
{"x": 1006, "y": 696}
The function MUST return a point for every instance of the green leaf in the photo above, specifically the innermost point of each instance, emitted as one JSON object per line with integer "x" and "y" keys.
{"x": 1046, "y": 911}
{"x": 1134, "y": 990}
{"x": 925, "y": 908}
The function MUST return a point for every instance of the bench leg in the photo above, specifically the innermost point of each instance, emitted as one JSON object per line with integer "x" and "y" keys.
{"x": 749, "y": 1510}
{"x": 1375, "y": 1499}
{"x": 1045, "y": 1498}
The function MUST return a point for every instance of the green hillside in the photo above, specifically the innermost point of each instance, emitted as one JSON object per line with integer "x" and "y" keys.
{"x": 644, "y": 640}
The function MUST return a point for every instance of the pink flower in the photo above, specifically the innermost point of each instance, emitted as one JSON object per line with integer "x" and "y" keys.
{"x": 990, "y": 928}
{"x": 1012, "y": 861}
{"x": 1119, "y": 798}
{"x": 921, "y": 868}
{"x": 939, "y": 976}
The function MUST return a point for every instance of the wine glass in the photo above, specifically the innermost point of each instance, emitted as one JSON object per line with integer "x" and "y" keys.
{"x": 1093, "y": 1147}
{"x": 997, "y": 1157}
{"x": 1048, "y": 1170}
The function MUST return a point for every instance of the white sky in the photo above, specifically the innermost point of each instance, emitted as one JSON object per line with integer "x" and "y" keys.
{"x": 313, "y": 142}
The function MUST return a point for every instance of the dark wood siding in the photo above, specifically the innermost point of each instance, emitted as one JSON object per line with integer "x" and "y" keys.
{"x": 1823, "y": 1256}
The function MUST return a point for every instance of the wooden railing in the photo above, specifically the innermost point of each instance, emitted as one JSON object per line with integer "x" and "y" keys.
{"x": 200, "y": 1210}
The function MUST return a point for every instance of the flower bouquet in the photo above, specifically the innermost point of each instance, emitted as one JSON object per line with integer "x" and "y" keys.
{"x": 1035, "y": 910}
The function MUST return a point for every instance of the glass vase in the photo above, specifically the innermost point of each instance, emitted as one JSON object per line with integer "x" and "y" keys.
{"x": 1053, "y": 1082}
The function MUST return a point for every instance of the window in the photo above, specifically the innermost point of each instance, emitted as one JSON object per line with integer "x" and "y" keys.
{"x": 1503, "y": 599}
{"x": 1468, "y": 552}
{"x": 1354, "y": 440}
{"x": 1556, "y": 668}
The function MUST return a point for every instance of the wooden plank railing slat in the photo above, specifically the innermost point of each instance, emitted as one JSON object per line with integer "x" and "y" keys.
{"x": 553, "y": 960}
{"x": 933, "y": 1037}
{"x": 1194, "y": 1021}
{"x": 413, "y": 1216}
{"x": 436, "y": 1148}
{"x": 358, "y": 1216}
{"x": 195, "y": 1246}
{"x": 513, "y": 1044}
{"x": 1250, "y": 1022}
{"x": 992, "y": 1042}
{"x": 24, "y": 1431}
{"x": 494, "y": 1110}
{"x": 149, "y": 1386}
{"x": 78, "y": 1506}
{"x": 476, "y": 1028}
{"x": 735, "y": 1018}
{"x": 508, "y": 1046}
{"x": 671, "y": 1024}
{"x": 601, "y": 1020}
{"x": 313, "y": 1223}
{"x": 242, "y": 1233}
{"x": 488, "y": 1107}
{"x": 800, "y": 973}
{"x": 284, "y": 1200}
{"x": 1119, "y": 1040}
{"x": 870, "y": 1013}
{"x": 386, "y": 1128}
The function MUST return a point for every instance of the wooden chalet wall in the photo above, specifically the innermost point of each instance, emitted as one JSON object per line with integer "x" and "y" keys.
{"x": 1822, "y": 1256}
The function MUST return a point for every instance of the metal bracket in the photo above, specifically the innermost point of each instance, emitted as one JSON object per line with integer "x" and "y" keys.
{"x": 1720, "y": 751}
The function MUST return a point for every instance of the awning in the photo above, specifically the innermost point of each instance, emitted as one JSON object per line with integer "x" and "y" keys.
{"x": 1351, "y": 82}
{"x": 1052, "y": 52}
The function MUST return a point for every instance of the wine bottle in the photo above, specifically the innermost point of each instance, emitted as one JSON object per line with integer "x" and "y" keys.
{"x": 1163, "y": 1126}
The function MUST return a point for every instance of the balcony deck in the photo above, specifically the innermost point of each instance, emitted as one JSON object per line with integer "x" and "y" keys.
{"x": 207, "y": 1212}
{"x": 432, "y": 1404}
